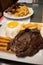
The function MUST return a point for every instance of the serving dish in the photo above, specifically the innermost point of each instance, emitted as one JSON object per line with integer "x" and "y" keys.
{"x": 13, "y": 17}
{"x": 36, "y": 59}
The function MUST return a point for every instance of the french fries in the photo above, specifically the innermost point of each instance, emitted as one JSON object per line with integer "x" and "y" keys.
{"x": 4, "y": 49}
{"x": 22, "y": 11}
{"x": 4, "y": 43}
{"x": 8, "y": 39}
{"x": 31, "y": 26}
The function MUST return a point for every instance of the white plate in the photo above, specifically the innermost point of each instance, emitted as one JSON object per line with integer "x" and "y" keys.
{"x": 8, "y": 15}
{"x": 36, "y": 59}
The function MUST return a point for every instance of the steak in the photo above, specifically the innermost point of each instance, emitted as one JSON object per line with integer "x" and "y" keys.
{"x": 27, "y": 43}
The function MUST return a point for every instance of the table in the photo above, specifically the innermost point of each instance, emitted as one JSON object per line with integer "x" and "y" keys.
{"x": 37, "y": 17}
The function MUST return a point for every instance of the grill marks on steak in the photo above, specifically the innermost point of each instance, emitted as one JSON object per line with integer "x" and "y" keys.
{"x": 27, "y": 43}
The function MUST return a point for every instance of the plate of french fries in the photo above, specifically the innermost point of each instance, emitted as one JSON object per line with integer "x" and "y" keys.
{"x": 21, "y": 13}
{"x": 4, "y": 40}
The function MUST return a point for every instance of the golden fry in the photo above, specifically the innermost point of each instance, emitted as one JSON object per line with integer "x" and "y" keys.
{"x": 4, "y": 38}
{"x": 3, "y": 41}
{"x": 31, "y": 26}
{"x": 22, "y": 11}
{"x": 4, "y": 44}
{"x": 3, "y": 48}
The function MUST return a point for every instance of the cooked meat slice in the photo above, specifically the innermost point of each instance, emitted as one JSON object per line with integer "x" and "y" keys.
{"x": 27, "y": 43}
{"x": 22, "y": 41}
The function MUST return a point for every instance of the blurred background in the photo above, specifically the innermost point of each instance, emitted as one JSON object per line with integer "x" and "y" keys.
{"x": 6, "y": 3}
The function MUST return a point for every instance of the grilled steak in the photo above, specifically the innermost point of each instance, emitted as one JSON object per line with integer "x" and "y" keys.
{"x": 27, "y": 43}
